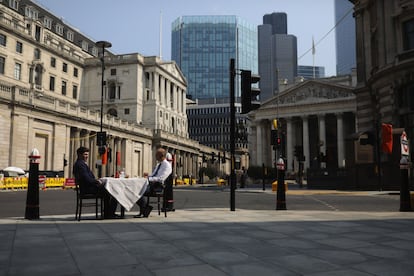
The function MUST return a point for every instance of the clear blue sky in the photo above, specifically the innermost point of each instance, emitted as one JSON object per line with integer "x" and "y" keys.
{"x": 133, "y": 26}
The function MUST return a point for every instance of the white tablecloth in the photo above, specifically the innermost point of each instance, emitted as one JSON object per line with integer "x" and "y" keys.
{"x": 126, "y": 191}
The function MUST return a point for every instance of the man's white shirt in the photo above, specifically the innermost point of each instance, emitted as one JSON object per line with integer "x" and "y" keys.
{"x": 161, "y": 172}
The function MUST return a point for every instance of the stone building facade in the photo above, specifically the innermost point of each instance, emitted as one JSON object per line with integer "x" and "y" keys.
{"x": 385, "y": 79}
{"x": 50, "y": 97}
{"x": 315, "y": 115}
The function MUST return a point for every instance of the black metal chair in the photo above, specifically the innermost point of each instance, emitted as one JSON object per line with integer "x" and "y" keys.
{"x": 87, "y": 200}
{"x": 157, "y": 191}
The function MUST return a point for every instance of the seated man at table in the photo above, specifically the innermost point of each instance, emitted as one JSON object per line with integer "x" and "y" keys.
{"x": 88, "y": 184}
{"x": 159, "y": 175}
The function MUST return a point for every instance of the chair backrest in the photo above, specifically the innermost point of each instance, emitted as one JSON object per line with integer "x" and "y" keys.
{"x": 156, "y": 187}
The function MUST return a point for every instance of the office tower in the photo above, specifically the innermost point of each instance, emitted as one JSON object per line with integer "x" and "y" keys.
{"x": 277, "y": 54}
{"x": 278, "y": 21}
{"x": 202, "y": 46}
{"x": 345, "y": 37}
{"x": 311, "y": 72}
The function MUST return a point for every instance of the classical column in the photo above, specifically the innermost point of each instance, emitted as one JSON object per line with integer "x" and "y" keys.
{"x": 340, "y": 140}
{"x": 76, "y": 140}
{"x": 322, "y": 133}
{"x": 289, "y": 144}
{"x": 259, "y": 139}
{"x": 305, "y": 140}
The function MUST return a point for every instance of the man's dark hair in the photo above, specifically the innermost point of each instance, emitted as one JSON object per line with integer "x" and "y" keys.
{"x": 82, "y": 150}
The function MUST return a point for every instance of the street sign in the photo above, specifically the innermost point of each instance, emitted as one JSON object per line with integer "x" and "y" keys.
{"x": 280, "y": 165}
{"x": 404, "y": 144}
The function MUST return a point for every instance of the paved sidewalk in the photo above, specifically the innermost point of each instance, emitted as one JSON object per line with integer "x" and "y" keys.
{"x": 212, "y": 242}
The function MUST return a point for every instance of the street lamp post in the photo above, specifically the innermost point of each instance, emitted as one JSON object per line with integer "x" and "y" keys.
{"x": 101, "y": 137}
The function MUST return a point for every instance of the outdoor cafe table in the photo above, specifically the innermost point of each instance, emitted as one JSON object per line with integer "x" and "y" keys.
{"x": 126, "y": 191}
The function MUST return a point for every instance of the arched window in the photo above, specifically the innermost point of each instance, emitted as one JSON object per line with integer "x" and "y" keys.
{"x": 113, "y": 112}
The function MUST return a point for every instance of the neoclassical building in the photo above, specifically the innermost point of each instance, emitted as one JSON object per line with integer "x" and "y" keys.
{"x": 315, "y": 115}
{"x": 50, "y": 99}
{"x": 385, "y": 81}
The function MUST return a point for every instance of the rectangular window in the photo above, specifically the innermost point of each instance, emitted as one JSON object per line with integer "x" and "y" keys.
{"x": 75, "y": 92}
{"x": 36, "y": 53}
{"x": 37, "y": 33}
{"x": 408, "y": 35}
{"x": 31, "y": 13}
{"x": 2, "y": 65}
{"x": 126, "y": 111}
{"x": 3, "y": 40}
{"x": 17, "y": 71}
{"x": 85, "y": 46}
{"x": 19, "y": 47}
{"x": 65, "y": 67}
{"x": 75, "y": 72}
{"x": 113, "y": 72}
{"x": 70, "y": 35}
{"x": 14, "y": 4}
{"x": 63, "y": 87}
{"x": 59, "y": 29}
{"x": 52, "y": 83}
{"x": 53, "y": 62}
{"x": 47, "y": 22}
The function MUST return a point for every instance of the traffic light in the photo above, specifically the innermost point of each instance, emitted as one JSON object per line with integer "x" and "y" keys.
{"x": 223, "y": 160}
{"x": 213, "y": 157}
{"x": 279, "y": 141}
{"x": 273, "y": 137}
{"x": 367, "y": 138}
{"x": 101, "y": 138}
{"x": 248, "y": 93}
{"x": 65, "y": 162}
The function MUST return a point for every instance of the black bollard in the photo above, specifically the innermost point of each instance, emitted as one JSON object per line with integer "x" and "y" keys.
{"x": 281, "y": 192}
{"x": 405, "y": 197}
{"x": 32, "y": 200}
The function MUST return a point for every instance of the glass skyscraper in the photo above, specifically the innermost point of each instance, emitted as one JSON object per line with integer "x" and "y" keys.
{"x": 345, "y": 37}
{"x": 278, "y": 57}
{"x": 202, "y": 46}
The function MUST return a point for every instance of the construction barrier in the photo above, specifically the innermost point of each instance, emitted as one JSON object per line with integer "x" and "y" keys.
{"x": 221, "y": 182}
{"x": 11, "y": 183}
{"x": 274, "y": 186}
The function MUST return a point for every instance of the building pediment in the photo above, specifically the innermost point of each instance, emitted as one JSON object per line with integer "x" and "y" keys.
{"x": 172, "y": 68}
{"x": 310, "y": 92}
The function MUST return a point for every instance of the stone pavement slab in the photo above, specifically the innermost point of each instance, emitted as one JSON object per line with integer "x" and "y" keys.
{"x": 212, "y": 242}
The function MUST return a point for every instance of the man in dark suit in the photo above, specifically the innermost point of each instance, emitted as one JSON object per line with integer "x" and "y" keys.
{"x": 88, "y": 184}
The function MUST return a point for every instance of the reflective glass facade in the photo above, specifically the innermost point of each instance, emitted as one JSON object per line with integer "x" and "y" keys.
{"x": 345, "y": 37}
{"x": 203, "y": 45}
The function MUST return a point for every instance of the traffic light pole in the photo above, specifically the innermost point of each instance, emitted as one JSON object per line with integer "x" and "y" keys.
{"x": 232, "y": 137}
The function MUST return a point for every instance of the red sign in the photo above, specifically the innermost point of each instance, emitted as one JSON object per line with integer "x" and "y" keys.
{"x": 70, "y": 182}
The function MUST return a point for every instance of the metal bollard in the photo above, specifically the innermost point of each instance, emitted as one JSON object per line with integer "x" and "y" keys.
{"x": 281, "y": 192}
{"x": 405, "y": 198}
{"x": 32, "y": 200}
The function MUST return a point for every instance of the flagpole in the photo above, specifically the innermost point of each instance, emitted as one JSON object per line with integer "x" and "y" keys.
{"x": 160, "y": 38}
{"x": 313, "y": 57}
